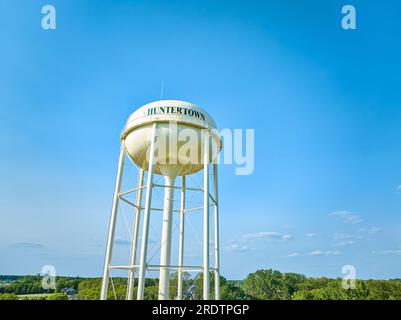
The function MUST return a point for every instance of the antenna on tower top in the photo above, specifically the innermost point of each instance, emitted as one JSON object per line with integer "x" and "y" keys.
{"x": 161, "y": 90}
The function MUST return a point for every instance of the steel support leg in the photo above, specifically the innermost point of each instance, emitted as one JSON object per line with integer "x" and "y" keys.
{"x": 206, "y": 219}
{"x": 134, "y": 242}
{"x": 216, "y": 236}
{"x": 165, "y": 248}
{"x": 181, "y": 243}
{"x": 145, "y": 232}
{"x": 112, "y": 225}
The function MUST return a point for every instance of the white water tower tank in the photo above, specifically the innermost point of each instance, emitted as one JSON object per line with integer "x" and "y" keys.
{"x": 188, "y": 116}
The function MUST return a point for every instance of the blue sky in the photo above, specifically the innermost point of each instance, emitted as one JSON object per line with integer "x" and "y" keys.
{"x": 325, "y": 104}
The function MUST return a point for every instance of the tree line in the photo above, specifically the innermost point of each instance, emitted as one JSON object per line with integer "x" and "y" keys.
{"x": 264, "y": 284}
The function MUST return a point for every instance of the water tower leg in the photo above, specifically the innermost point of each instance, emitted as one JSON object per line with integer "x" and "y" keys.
{"x": 134, "y": 243}
{"x": 145, "y": 231}
{"x": 206, "y": 220}
{"x": 165, "y": 249}
{"x": 112, "y": 225}
{"x": 216, "y": 236}
{"x": 181, "y": 243}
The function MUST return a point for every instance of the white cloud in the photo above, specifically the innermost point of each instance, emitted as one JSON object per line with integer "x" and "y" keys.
{"x": 345, "y": 236}
{"x": 325, "y": 253}
{"x": 374, "y": 230}
{"x": 311, "y": 234}
{"x": 344, "y": 243}
{"x": 294, "y": 254}
{"x": 286, "y": 237}
{"x": 237, "y": 248}
{"x": 315, "y": 253}
{"x": 30, "y": 245}
{"x": 347, "y": 216}
{"x": 344, "y": 239}
{"x": 394, "y": 252}
{"x": 266, "y": 235}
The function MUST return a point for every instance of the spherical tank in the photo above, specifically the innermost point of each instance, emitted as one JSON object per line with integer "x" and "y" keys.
{"x": 180, "y": 137}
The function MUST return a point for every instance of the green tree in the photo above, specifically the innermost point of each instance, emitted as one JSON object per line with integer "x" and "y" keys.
{"x": 197, "y": 285}
{"x": 151, "y": 293}
{"x": 232, "y": 291}
{"x": 186, "y": 283}
{"x": 8, "y": 296}
{"x": 272, "y": 285}
{"x": 57, "y": 296}
{"x": 334, "y": 291}
{"x": 384, "y": 290}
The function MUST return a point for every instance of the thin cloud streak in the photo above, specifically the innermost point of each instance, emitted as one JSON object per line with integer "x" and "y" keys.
{"x": 393, "y": 252}
{"x": 30, "y": 245}
{"x": 311, "y": 234}
{"x": 315, "y": 253}
{"x": 345, "y": 236}
{"x": 267, "y": 235}
{"x": 344, "y": 243}
{"x": 237, "y": 248}
{"x": 347, "y": 217}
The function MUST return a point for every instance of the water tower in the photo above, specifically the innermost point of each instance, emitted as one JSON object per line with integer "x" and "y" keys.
{"x": 174, "y": 139}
